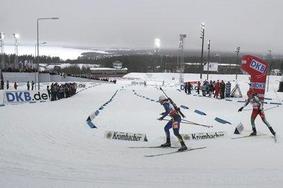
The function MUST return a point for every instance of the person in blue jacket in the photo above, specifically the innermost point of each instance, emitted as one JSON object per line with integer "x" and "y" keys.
{"x": 173, "y": 123}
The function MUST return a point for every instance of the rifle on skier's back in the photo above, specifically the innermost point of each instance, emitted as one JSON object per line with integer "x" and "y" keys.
{"x": 174, "y": 104}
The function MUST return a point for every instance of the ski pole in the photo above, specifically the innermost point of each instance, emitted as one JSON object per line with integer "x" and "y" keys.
{"x": 265, "y": 109}
{"x": 174, "y": 105}
{"x": 271, "y": 108}
{"x": 192, "y": 123}
{"x": 248, "y": 109}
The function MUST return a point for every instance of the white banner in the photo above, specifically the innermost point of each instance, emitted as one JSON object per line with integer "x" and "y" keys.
{"x": 134, "y": 137}
{"x": 81, "y": 86}
{"x": 1, "y": 97}
{"x": 212, "y": 67}
{"x": 204, "y": 135}
{"x": 16, "y": 96}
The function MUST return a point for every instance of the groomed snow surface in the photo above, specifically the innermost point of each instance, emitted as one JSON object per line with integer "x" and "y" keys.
{"x": 50, "y": 144}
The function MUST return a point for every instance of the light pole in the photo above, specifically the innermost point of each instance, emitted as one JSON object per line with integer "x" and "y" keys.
{"x": 16, "y": 37}
{"x": 269, "y": 57}
{"x": 2, "y": 36}
{"x": 2, "y": 56}
{"x": 156, "y": 53}
{"x": 237, "y": 60}
{"x": 157, "y": 45}
{"x": 202, "y": 44}
{"x": 37, "y": 43}
{"x": 35, "y": 47}
{"x": 208, "y": 59}
{"x": 181, "y": 57}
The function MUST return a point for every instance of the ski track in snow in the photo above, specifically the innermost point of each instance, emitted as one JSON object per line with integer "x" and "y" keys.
{"x": 50, "y": 144}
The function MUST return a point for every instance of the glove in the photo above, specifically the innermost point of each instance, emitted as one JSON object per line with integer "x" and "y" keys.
{"x": 161, "y": 118}
{"x": 240, "y": 109}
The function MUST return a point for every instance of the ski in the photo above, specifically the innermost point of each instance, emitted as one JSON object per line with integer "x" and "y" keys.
{"x": 140, "y": 147}
{"x": 275, "y": 138}
{"x": 247, "y": 136}
{"x": 174, "y": 152}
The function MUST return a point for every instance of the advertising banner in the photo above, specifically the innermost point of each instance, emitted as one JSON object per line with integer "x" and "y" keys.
{"x": 16, "y": 96}
{"x": 257, "y": 68}
{"x": 213, "y": 67}
{"x": 203, "y": 135}
{"x": 134, "y": 137}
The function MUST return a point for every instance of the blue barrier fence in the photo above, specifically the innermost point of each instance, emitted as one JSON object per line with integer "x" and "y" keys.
{"x": 186, "y": 108}
{"x": 96, "y": 113}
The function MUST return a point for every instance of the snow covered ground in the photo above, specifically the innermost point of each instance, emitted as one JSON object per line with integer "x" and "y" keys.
{"x": 51, "y": 145}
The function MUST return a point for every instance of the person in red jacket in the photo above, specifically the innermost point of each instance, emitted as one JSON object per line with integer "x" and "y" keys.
{"x": 217, "y": 89}
{"x": 257, "y": 110}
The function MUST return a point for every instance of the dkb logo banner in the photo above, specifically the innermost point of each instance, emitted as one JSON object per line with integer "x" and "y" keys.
{"x": 14, "y": 97}
{"x": 257, "y": 68}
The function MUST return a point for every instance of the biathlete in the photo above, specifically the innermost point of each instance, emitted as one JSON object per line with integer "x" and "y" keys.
{"x": 173, "y": 123}
{"x": 257, "y": 110}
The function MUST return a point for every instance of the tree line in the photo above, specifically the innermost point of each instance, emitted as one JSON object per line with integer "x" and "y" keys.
{"x": 134, "y": 62}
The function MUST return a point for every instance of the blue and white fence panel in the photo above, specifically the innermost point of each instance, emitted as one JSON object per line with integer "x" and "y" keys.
{"x": 92, "y": 116}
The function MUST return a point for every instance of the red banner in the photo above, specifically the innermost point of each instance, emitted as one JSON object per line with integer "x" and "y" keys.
{"x": 257, "y": 68}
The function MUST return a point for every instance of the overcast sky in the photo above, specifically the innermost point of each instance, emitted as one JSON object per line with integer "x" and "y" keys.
{"x": 254, "y": 25}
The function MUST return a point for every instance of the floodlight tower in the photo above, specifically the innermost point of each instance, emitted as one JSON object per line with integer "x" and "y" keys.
{"x": 157, "y": 45}
{"x": 208, "y": 58}
{"x": 180, "y": 59}
{"x": 2, "y": 54}
{"x": 237, "y": 60}
{"x": 2, "y": 36}
{"x": 269, "y": 58}
{"x": 202, "y": 44}
{"x": 16, "y": 37}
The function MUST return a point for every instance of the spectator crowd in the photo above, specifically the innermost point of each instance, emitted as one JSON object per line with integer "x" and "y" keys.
{"x": 217, "y": 89}
{"x": 58, "y": 91}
